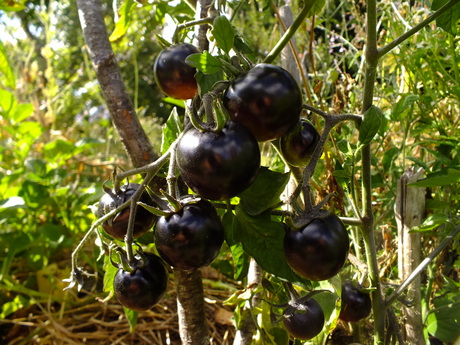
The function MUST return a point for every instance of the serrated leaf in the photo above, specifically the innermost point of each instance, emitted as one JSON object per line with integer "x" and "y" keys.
{"x": 448, "y": 21}
{"x": 171, "y": 130}
{"x": 204, "y": 62}
{"x": 224, "y": 33}
{"x": 124, "y": 21}
{"x": 264, "y": 192}
{"x": 262, "y": 238}
{"x": 372, "y": 119}
{"x": 443, "y": 177}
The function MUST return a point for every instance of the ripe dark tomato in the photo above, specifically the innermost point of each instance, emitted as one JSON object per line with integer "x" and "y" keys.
{"x": 173, "y": 75}
{"x": 117, "y": 226}
{"x": 305, "y": 321}
{"x": 298, "y": 145}
{"x": 190, "y": 238}
{"x": 266, "y": 99}
{"x": 218, "y": 165}
{"x": 356, "y": 305}
{"x": 142, "y": 288}
{"x": 318, "y": 250}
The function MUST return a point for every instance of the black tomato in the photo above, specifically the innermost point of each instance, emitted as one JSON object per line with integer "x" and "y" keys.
{"x": 305, "y": 321}
{"x": 173, "y": 75}
{"x": 356, "y": 305}
{"x": 117, "y": 225}
{"x": 298, "y": 145}
{"x": 190, "y": 238}
{"x": 142, "y": 288}
{"x": 319, "y": 250}
{"x": 266, "y": 99}
{"x": 218, "y": 165}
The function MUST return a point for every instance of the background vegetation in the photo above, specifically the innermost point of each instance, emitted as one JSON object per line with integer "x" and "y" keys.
{"x": 57, "y": 147}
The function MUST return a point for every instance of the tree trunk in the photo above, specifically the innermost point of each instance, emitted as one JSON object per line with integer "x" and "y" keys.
{"x": 409, "y": 209}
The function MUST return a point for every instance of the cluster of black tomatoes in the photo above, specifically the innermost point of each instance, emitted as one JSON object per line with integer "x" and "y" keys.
{"x": 263, "y": 104}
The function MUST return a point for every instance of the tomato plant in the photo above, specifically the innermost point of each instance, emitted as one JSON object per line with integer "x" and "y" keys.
{"x": 117, "y": 225}
{"x": 318, "y": 250}
{"x": 173, "y": 75}
{"x": 266, "y": 99}
{"x": 141, "y": 288}
{"x": 191, "y": 237}
{"x": 218, "y": 165}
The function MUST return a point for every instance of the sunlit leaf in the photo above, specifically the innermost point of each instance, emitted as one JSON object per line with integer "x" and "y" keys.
{"x": 124, "y": 21}
{"x": 224, "y": 33}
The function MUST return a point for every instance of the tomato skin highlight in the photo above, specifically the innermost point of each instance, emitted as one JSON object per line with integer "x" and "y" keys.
{"x": 319, "y": 250}
{"x": 190, "y": 238}
{"x": 307, "y": 323}
{"x": 298, "y": 145}
{"x": 117, "y": 226}
{"x": 173, "y": 75}
{"x": 266, "y": 99}
{"x": 218, "y": 165}
{"x": 356, "y": 305}
{"x": 144, "y": 287}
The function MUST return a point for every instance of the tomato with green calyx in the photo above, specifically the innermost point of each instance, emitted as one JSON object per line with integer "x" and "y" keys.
{"x": 356, "y": 305}
{"x": 173, "y": 75}
{"x": 318, "y": 250}
{"x": 191, "y": 237}
{"x": 117, "y": 226}
{"x": 298, "y": 145}
{"x": 304, "y": 320}
{"x": 218, "y": 165}
{"x": 143, "y": 287}
{"x": 266, "y": 99}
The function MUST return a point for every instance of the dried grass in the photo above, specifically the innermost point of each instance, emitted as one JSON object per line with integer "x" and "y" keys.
{"x": 89, "y": 321}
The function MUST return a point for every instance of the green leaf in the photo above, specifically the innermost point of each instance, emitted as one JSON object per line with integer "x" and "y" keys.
{"x": 109, "y": 275}
{"x": 240, "y": 258}
{"x": 8, "y": 103}
{"x": 431, "y": 223}
{"x": 204, "y": 62}
{"x": 264, "y": 192}
{"x": 124, "y": 21}
{"x": 206, "y": 82}
{"x": 58, "y": 150}
{"x": 402, "y": 105}
{"x": 317, "y": 6}
{"x": 22, "y": 112}
{"x": 132, "y": 317}
{"x": 448, "y": 21}
{"x": 443, "y": 177}
{"x": 262, "y": 238}
{"x": 224, "y": 33}
{"x": 34, "y": 194}
{"x": 171, "y": 130}
{"x": 5, "y": 67}
{"x": 444, "y": 321}
{"x": 372, "y": 119}
{"x": 12, "y": 5}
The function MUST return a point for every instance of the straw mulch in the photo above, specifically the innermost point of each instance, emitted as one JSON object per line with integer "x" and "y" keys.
{"x": 89, "y": 321}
